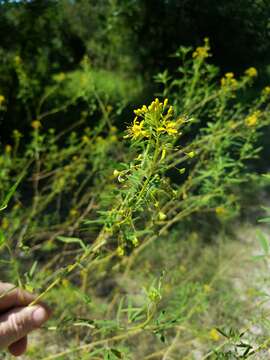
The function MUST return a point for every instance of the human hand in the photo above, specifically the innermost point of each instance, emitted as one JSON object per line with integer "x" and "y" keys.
{"x": 17, "y": 319}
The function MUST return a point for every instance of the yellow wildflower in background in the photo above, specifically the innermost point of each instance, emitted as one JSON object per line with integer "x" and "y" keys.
{"x": 36, "y": 124}
{"x": 202, "y": 52}
{"x": 162, "y": 216}
{"x": 220, "y": 210}
{"x": 191, "y": 154}
{"x": 266, "y": 90}
{"x": 214, "y": 334}
{"x": 85, "y": 139}
{"x": 17, "y": 59}
{"x": 251, "y": 72}
{"x": 2, "y": 99}
{"x": 120, "y": 251}
{"x": 252, "y": 119}
{"x": 135, "y": 241}
{"x": 116, "y": 173}
{"x": 8, "y": 149}
{"x": 109, "y": 109}
{"x": 73, "y": 212}
{"x": 229, "y": 81}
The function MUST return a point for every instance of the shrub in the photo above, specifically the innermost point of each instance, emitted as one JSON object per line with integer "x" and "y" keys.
{"x": 92, "y": 204}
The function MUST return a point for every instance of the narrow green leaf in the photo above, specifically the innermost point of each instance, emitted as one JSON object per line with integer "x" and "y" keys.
{"x": 12, "y": 190}
{"x": 72, "y": 240}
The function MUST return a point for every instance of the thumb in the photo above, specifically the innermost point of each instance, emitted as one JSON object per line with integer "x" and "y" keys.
{"x": 19, "y": 321}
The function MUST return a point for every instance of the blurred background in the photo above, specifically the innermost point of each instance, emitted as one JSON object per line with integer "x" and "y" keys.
{"x": 129, "y": 39}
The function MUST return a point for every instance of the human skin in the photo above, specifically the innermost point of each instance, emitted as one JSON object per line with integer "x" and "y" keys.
{"x": 17, "y": 318}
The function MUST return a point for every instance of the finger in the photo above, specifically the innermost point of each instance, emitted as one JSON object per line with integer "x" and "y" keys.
{"x": 13, "y": 297}
{"x": 18, "y": 322}
{"x": 19, "y": 347}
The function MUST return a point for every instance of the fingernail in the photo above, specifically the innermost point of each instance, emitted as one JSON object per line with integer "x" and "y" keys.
{"x": 39, "y": 316}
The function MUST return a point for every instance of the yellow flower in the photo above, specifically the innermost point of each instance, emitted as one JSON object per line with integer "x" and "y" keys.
{"x": 214, "y": 335}
{"x": 169, "y": 128}
{"x": 36, "y": 124}
{"x": 17, "y": 60}
{"x": 220, "y": 210}
{"x": 136, "y": 130}
{"x": 170, "y": 111}
{"x": 8, "y": 149}
{"x": 252, "y": 119}
{"x": 73, "y": 212}
{"x": 182, "y": 171}
{"x": 191, "y": 154}
{"x": 113, "y": 138}
{"x": 229, "y": 81}
{"x": 2, "y": 99}
{"x": 135, "y": 241}
{"x": 116, "y": 173}
{"x": 202, "y": 52}
{"x": 120, "y": 251}
{"x": 251, "y": 72}
{"x": 141, "y": 111}
{"x": 85, "y": 139}
{"x": 162, "y": 216}
{"x": 109, "y": 108}
{"x": 165, "y": 103}
{"x": 113, "y": 129}
{"x": 266, "y": 90}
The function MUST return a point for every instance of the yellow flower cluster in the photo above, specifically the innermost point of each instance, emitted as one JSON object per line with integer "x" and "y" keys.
{"x": 252, "y": 119}
{"x": 162, "y": 122}
{"x": 251, "y": 72}
{"x": 229, "y": 81}
{"x": 136, "y": 130}
{"x": 169, "y": 128}
{"x": 202, "y": 52}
